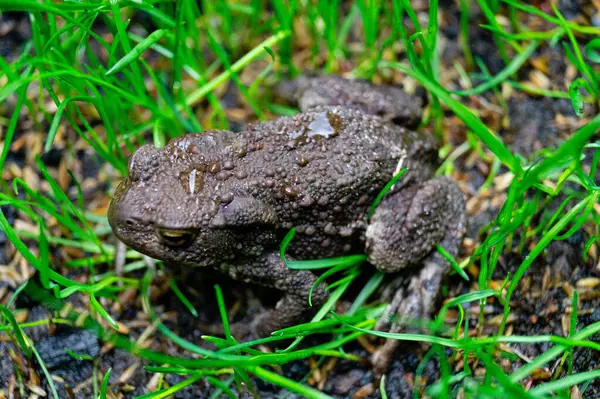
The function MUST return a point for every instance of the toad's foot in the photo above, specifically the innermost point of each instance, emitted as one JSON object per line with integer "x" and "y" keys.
{"x": 293, "y": 307}
{"x": 410, "y": 307}
{"x": 404, "y": 231}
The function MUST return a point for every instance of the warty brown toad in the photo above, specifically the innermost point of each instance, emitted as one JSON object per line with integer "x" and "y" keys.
{"x": 226, "y": 200}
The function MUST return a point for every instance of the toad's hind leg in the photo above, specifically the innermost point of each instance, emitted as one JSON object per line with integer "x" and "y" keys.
{"x": 293, "y": 307}
{"x": 404, "y": 231}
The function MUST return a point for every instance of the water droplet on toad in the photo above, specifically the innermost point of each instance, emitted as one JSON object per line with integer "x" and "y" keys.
{"x": 321, "y": 126}
{"x": 215, "y": 167}
{"x": 301, "y": 161}
{"x": 192, "y": 149}
{"x": 289, "y": 191}
{"x": 192, "y": 180}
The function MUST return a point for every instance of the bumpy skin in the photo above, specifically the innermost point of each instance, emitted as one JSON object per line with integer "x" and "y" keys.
{"x": 226, "y": 200}
{"x": 388, "y": 102}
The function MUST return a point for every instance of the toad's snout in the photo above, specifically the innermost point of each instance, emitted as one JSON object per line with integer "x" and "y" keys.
{"x": 118, "y": 217}
{"x": 122, "y": 213}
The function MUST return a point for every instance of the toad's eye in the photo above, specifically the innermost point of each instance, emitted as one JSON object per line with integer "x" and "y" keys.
{"x": 176, "y": 238}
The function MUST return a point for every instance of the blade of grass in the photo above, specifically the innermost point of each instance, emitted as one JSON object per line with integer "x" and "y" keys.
{"x": 508, "y": 71}
{"x": 286, "y": 383}
{"x": 136, "y": 52}
{"x": 483, "y": 132}
{"x": 198, "y": 94}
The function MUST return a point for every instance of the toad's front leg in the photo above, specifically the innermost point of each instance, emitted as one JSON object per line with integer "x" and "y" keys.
{"x": 293, "y": 307}
{"x": 404, "y": 231}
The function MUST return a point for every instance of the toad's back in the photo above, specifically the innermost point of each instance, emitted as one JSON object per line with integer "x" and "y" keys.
{"x": 322, "y": 169}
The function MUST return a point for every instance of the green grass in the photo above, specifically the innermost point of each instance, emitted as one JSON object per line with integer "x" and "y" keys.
{"x": 119, "y": 97}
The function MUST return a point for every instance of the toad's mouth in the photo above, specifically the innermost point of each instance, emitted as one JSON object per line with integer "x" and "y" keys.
{"x": 176, "y": 237}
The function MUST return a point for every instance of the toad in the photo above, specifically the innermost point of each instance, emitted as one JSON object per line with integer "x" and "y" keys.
{"x": 226, "y": 200}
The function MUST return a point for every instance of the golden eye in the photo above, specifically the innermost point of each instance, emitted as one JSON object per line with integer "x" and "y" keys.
{"x": 176, "y": 238}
